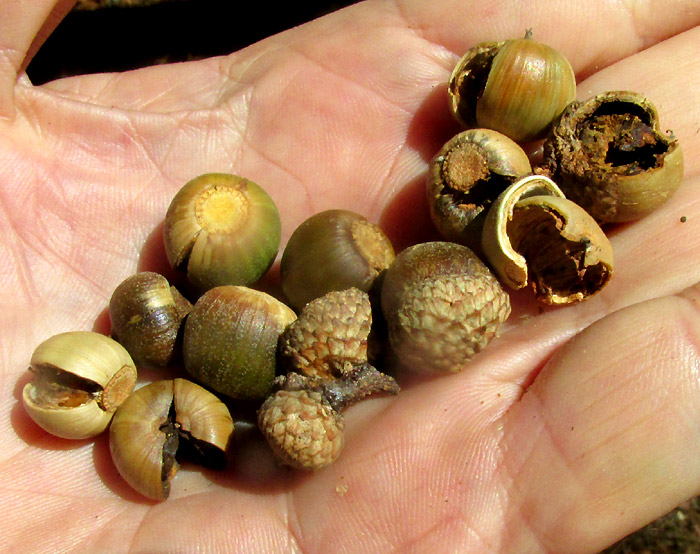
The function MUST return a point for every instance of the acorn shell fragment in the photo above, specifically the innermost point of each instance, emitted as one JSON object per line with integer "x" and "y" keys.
{"x": 150, "y": 427}
{"x": 609, "y": 155}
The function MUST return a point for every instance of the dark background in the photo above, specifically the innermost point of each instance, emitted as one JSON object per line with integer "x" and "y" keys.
{"x": 125, "y": 34}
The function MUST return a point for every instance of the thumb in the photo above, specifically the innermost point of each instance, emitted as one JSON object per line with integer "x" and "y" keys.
{"x": 606, "y": 438}
{"x": 23, "y": 28}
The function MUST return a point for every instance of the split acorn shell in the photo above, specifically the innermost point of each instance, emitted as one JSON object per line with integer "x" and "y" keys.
{"x": 158, "y": 421}
{"x": 223, "y": 230}
{"x": 80, "y": 379}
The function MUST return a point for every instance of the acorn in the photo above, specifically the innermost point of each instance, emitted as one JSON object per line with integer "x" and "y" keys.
{"x": 222, "y": 230}
{"x": 162, "y": 421}
{"x": 517, "y": 87}
{"x": 146, "y": 315}
{"x": 333, "y": 250}
{"x": 230, "y": 340}
{"x": 442, "y": 306}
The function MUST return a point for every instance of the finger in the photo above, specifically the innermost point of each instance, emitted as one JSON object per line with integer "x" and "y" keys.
{"x": 23, "y": 28}
{"x": 580, "y": 29}
{"x": 606, "y": 438}
{"x": 383, "y": 31}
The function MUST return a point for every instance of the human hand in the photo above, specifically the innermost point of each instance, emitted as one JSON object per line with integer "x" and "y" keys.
{"x": 573, "y": 428}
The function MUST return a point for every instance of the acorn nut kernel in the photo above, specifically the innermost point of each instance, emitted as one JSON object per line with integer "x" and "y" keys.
{"x": 80, "y": 379}
{"x": 517, "y": 87}
{"x": 146, "y": 315}
{"x": 161, "y": 421}
{"x": 230, "y": 340}
{"x": 223, "y": 230}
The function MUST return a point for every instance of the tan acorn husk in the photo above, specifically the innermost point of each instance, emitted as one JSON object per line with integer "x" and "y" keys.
{"x": 569, "y": 257}
{"x": 80, "y": 379}
{"x": 508, "y": 264}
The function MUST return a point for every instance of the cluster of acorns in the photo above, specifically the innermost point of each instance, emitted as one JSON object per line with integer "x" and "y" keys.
{"x": 438, "y": 303}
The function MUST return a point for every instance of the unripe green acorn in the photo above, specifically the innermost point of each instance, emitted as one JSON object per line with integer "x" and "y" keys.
{"x": 230, "y": 340}
{"x": 223, "y": 229}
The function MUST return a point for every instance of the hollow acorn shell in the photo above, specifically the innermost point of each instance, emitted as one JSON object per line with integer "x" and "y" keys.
{"x": 614, "y": 176}
{"x": 144, "y": 438}
{"x": 81, "y": 377}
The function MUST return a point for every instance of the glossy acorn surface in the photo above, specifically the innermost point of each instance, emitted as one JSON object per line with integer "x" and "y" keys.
{"x": 80, "y": 379}
{"x": 517, "y": 87}
{"x": 222, "y": 230}
{"x": 146, "y": 315}
{"x": 230, "y": 340}
{"x": 333, "y": 250}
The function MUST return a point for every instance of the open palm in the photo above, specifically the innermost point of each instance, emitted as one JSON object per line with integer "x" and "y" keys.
{"x": 576, "y": 426}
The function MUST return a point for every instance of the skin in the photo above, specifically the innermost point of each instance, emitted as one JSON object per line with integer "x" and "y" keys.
{"x": 572, "y": 429}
